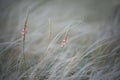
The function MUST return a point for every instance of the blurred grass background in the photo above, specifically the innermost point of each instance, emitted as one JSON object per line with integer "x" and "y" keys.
{"x": 92, "y": 51}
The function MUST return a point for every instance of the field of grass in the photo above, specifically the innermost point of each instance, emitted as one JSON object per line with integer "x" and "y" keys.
{"x": 90, "y": 29}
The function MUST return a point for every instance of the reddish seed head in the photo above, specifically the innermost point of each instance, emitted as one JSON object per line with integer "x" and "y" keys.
{"x": 64, "y": 42}
{"x": 24, "y": 30}
{"x": 23, "y": 33}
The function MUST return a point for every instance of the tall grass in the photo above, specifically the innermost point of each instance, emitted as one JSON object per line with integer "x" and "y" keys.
{"x": 92, "y": 51}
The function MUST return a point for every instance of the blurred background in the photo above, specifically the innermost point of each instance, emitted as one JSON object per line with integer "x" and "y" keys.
{"x": 92, "y": 51}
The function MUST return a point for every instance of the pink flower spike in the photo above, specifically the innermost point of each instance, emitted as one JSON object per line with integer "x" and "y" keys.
{"x": 64, "y": 41}
{"x": 23, "y": 33}
{"x": 24, "y": 30}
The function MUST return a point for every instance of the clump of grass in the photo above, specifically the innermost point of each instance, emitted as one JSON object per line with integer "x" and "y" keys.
{"x": 82, "y": 59}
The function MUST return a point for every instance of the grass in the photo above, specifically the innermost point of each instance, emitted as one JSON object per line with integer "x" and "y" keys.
{"x": 78, "y": 60}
